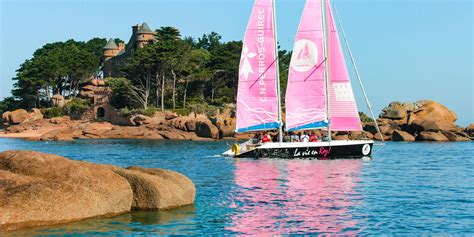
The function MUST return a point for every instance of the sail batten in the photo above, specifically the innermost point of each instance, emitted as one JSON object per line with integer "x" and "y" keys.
{"x": 306, "y": 96}
{"x": 257, "y": 96}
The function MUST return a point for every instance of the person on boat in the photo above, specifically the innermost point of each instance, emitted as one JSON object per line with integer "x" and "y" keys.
{"x": 256, "y": 138}
{"x": 294, "y": 137}
{"x": 325, "y": 137}
{"x": 304, "y": 137}
{"x": 266, "y": 138}
{"x": 287, "y": 137}
{"x": 313, "y": 137}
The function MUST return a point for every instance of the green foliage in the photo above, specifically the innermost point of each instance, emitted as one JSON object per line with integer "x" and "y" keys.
{"x": 172, "y": 73}
{"x": 76, "y": 107}
{"x": 150, "y": 112}
{"x": 209, "y": 110}
{"x": 8, "y": 104}
{"x": 52, "y": 112}
{"x": 364, "y": 118}
{"x": 182, "y": 112}
{"x": 121, "y": 96}
{"x": 56, "y": 68}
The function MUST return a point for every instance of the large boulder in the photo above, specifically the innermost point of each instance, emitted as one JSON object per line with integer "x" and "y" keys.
{"x": 35, "y": 114}
{"x": 42, "y": 189}
{"x": 402, "y": 136}
{"x": 6, "y": 118}
{"x": 61, "y": 134}
{"x": 60, "y": 120}
{"x": 379, "y": 137}
{"x": 58, "y": 101}
{"x": 190, "y": 125}
{"x": 140, "y": 119}
{"x": 158, "y": 189}
{"x": 455, "y": 136}
{"x": 15, "y": 117}
{"x": 434, "y": 125}
{"x": 431, "y": 110}
{"x": 396, "y": 110}
{"x": 432, "y": 136}
{"x": 205, "y": 128}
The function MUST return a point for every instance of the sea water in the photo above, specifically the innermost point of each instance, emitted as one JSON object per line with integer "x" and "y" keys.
{"x": 406, "y": 188}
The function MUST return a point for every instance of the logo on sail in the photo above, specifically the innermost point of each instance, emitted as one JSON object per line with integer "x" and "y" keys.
{"x": 305, "y": 55}
{"x": 246, "y": 68}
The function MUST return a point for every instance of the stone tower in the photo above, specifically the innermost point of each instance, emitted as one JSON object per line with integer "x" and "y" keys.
{"x": 115, "y": 56}
{"x": 110, "y": 50}
{"x": 144, "y": 35}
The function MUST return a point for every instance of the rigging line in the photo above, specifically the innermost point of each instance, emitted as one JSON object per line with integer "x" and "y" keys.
{"x": 266, "y": 70}
{"x": 357, "y": 73}
{"x": 319, "y": 65}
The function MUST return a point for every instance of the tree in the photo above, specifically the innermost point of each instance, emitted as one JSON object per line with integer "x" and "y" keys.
{"x": 195, "y": 69}
{"x": 56, "y": 68}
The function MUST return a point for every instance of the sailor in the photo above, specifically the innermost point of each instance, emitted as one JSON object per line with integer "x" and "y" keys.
{"x": 304, "y": 137}
{"x": 266, "y": 138}
{"x": 294, "y": 137}
{"x": 256, "y": 139}
{"x": 287, "y": 137}
{"x": 313, "y": 137}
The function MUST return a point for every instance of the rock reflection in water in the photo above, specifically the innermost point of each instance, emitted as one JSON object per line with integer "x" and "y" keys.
{"x": 296, "y": 196}
{"x": 132, "y": 222}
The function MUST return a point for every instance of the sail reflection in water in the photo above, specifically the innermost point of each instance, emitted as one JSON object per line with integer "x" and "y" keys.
{"x": 296, "y": 196}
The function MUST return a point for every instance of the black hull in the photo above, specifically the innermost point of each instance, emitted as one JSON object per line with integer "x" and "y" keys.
{"x": 355, "y": 151}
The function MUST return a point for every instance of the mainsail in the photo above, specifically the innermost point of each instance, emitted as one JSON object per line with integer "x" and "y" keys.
{"x": 306, "y": 93}
{"x": 257, "y": 97}
{"x": 343, "y": 109}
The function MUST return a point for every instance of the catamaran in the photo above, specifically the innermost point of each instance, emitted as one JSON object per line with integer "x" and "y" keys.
{"x": 319, "y": 93}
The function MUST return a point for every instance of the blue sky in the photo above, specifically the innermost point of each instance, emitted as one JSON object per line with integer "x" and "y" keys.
{"x": 406, "y": 50}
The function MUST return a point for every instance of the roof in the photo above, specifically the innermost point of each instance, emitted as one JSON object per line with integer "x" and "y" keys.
{"x": 144, "y": 29}
{"x": 111, "y": 44}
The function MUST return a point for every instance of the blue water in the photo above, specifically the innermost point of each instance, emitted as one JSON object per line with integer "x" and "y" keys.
{"x": 407, "y": 188}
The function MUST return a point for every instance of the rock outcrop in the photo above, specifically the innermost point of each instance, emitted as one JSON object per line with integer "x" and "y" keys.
{"x": 424, "y": 120}
{"x": 402, "y": 136}
{"x": 42, "y": 189}
{"x": 58, "y": 101}
{"x": 20, "y": 116}
{"x": 205, "y": 128}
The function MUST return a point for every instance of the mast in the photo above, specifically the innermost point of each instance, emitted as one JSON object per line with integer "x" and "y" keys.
{"x": 280, "y": 127}
{"x": 326, "y": 71}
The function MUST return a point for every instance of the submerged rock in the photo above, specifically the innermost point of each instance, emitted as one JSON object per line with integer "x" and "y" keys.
{"x": 41, "y": 189}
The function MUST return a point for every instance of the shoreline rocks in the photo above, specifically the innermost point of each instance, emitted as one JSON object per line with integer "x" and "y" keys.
{"x": 38, "y": 189}
{"x": 424, "y": 120}
{"x": 397, "y": 122}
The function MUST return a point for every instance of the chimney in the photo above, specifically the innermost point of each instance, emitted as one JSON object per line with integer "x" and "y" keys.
{"x": 135, "y": 28}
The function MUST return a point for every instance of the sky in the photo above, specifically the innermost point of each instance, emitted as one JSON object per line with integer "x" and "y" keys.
{"x": 406, "y": 50}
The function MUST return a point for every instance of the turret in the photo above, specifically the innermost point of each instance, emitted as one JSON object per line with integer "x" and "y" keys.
{"x": 110, "y": 49}
{"x": 144, "y": 35}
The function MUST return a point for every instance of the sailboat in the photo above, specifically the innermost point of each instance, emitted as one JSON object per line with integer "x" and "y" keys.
{"x": 319, "y": 93}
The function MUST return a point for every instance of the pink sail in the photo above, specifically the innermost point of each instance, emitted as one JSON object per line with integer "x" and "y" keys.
{"x": 257, "y": 99}
{"x": 306, "y": 94}
{"x": 343, "y": 109}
